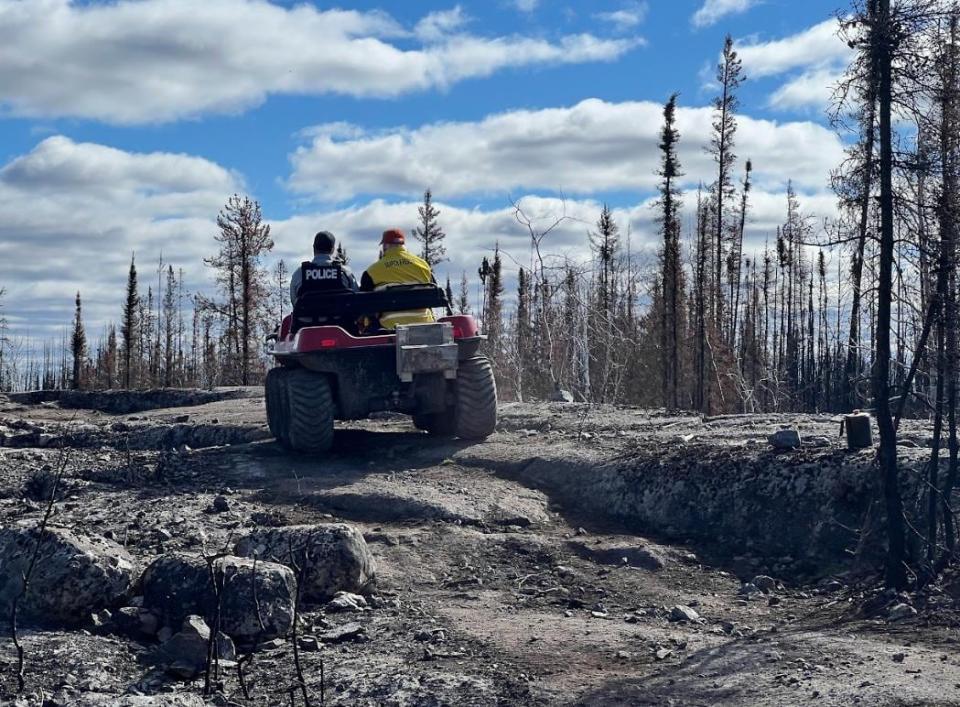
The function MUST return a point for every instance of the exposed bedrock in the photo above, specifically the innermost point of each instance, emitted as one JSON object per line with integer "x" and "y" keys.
{"x": 805, "y": 505}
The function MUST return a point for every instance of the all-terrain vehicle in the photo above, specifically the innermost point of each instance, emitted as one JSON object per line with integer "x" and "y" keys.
{"x": 328, "y": 370}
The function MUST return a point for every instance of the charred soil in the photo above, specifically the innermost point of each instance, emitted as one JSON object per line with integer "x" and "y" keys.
{"x": 580, "y": 555}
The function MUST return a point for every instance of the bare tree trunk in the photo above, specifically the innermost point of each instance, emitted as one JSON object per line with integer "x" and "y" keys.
{"x": 882, "y": 44}
{"x": 852, "y": 371}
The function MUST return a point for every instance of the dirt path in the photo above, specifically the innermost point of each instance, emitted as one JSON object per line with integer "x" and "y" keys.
{"x": 491, "y": 589}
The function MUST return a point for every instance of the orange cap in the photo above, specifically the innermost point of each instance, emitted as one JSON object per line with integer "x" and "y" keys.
{"x": 393, "y": 236}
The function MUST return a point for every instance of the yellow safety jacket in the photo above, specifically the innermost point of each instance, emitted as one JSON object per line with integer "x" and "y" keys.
{"x": 399, "y": 267}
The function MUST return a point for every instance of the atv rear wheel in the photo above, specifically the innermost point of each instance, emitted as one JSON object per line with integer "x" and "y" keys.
{"x": 310, "y": 410}
{"x": 275, "y": 394}
{"x": 475, "y": 413}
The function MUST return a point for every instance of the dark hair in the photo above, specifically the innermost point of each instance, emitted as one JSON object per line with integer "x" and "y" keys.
{"x": 323, "y": 243}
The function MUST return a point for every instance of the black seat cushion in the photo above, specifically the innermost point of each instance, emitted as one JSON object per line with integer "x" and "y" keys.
{"x": 344, "y": 308}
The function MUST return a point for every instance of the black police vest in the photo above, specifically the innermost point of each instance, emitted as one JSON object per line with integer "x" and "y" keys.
{"x": 328, "y": 278}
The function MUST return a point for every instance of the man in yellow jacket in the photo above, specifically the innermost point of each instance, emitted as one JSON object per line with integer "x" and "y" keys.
{"x": 397, "y": 266}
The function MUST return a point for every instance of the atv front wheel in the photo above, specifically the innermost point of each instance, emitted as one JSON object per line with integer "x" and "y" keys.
{"x": 310, "y": 409}
{"x": 475, "y": 414}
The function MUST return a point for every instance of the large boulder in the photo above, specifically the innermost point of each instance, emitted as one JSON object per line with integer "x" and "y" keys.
{"x": 332, "y": 557}
{"x": 176, "y": 586}
{"x": 74, "y": 575}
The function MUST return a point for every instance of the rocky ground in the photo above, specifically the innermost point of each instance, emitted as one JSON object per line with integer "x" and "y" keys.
{"x": 581, "y": 555}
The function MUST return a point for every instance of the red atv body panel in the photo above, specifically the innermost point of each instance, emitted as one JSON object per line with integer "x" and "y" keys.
{"x": 314, "y": 339}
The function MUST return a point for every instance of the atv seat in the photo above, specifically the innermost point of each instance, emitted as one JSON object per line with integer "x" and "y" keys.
{"x": 344, "y": 308}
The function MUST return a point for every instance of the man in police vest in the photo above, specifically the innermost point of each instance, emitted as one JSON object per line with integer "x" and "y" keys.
{"x": 397, "y": 266}
{"x": 323, "y": 246}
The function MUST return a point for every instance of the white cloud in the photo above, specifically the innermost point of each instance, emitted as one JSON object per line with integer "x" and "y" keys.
{"x": 585, "y": 149}
{"x": 161, "y": 60}
{"x": 472, "y": 233}
{"x": 812, "y": 88}
{"x": 817, "y": 46}
{"x": 712, "y": 11}
{"x": 812, "y": 60}
{"x": 627, "y": 17}
{"x": 440, "y": 24}
{"x": 71, "y": 213}
{"x": 89, "y": 206}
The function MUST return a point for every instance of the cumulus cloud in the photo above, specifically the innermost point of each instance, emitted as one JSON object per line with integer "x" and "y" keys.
{"x": 712, "y": 11}
{"x": 472, "y": 233}
{"x": 812, "y": 61}
{"x": 627, "y": 17}
{"x": 440, "y": 24}
{"x": 71, "y": 214}
{"x": 161, "y": 60}
{"x": 817, "y": 45}
{"x": 586, "y": 149}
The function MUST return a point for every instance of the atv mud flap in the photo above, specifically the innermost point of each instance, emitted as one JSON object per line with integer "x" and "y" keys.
{"x": 426, "y": 348}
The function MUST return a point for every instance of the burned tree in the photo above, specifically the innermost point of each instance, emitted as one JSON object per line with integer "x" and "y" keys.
{"x": 671, "y": 269}
{"x": 429, "y": 233}
{"x": 78, "y": 346}
{"x": 243, "y": 239}
{"x": 130, "y": 326}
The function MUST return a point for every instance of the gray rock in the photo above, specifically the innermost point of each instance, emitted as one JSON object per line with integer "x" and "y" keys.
{"x": 559, "y": 395}
{"x": 135, "y": 622}
{"x": 785, "y": 439}
{"x": 176, "y": 586}
{"x": 683, "y": 613}
{"x": 749, "y": 588}
{"x": 348, "y": 632}
{"x": 818, "y": 441}
{"x": 764, "y": 583}
{"x": 663, "y": 653}
{"x": 619, "y": 553}
{"x": 187, "y": 649}
{"x": 345, "y": 601}
{"x": 76, "y": 575}
{"x": 308, "y": 643}
{"x": 901, "y": 611}
{"x": 333, "y": 557}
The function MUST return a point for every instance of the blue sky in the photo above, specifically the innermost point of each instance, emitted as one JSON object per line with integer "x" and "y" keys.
{"x": 126, "y": 125}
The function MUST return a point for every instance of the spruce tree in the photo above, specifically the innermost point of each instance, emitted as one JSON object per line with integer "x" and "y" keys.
{"x": 606, "y": 243}
{"x": 671, "y": 272}
{"x": 130, "y": 325}
{"x": 429, "y": 233}
{"x": 449, "y": 292}
{"x": 110, "y": 359}
{"x": 729, "y": 78}
{"x": 169, "y": 327}
{"x": 78, "y": 346}
{"x": 463, "y": 297}
{"x": 494, "y": 315}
